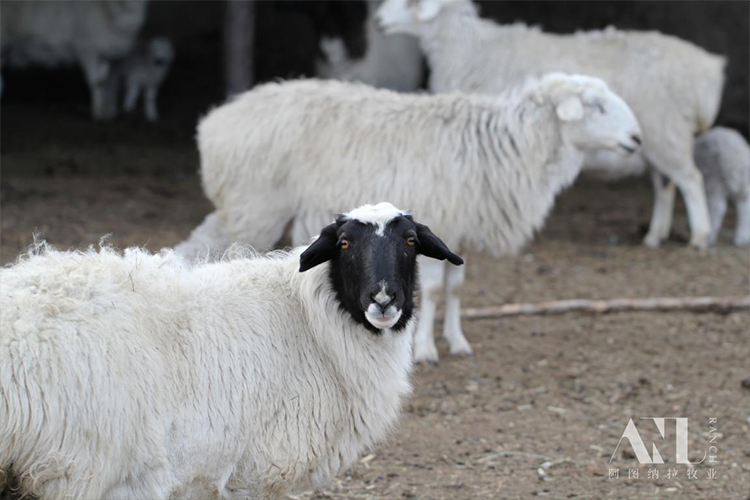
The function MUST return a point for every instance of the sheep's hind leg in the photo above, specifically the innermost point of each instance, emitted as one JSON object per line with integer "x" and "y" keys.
{"x": 742, "y": 234}
{"x": 717, "y": 207}
{"x": 661, "y": 218}
{"x": 454, "y": 280}
{"x": 208, "y": 239}
{"x": 431, "y": 274}
{"x": 680, "y": 167}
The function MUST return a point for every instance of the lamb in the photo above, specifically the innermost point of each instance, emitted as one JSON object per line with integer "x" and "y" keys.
{"x": 144, "y": 70}
{"x": 723, "y": 156}
{"x": 391, "y": 62}
{"x": 90, "y": 34}
{"x": 133, "y": 376}
{"x": 673, "y": 87}
{"x": 482, "y": 170}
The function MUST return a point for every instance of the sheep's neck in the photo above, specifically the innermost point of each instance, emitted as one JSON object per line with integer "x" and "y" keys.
{"x": 441, "y": 40}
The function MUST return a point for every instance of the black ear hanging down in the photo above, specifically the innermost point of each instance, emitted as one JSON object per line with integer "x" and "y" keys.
{"x": 432, "y": 246}
{"x": 322, "y": 250}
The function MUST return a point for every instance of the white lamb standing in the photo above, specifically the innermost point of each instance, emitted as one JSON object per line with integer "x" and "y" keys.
{"x": 133, "y": 376}
{"x": 88, "y": 33}
{"x": 723, "y": 156}
{"x": 483, "y": 170}
{"x": 143, "y": 71}
{"x": 673, "y": 87}
{"x": 391, "y": 62}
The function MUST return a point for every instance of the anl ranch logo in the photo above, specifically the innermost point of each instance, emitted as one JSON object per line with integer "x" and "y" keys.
{"x": 675, "y": 451}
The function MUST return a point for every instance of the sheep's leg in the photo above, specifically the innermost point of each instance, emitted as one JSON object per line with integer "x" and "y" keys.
{"x": 661, "y": 218}
{"x": 149, "y": 99}
{"x": 742, "y": 234}
{"x": 680, "y": 167}
{"x": 454, "y": 280}
{"x": 97, "y": 72}
{"x": 131, "y": 96}
{"x": 308, "y": 224}
{"x": 431, "y": 274}
{"x": 205, "y": 240}
{"x": 717, "y": 207}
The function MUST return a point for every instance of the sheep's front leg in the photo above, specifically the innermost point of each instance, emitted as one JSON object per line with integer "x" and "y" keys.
{"x": 431, "y": 273}
{"x": 131, "y": 96}
{"x": 454, "y": 280}
{"x": 661, "y": 218}
{"x": 150, "y": 103}
{"x": 742, "y": 234}
{"x": 97, "y": 72}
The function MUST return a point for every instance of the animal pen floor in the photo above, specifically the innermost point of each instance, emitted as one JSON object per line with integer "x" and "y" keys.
{"x": 539, "y": 410}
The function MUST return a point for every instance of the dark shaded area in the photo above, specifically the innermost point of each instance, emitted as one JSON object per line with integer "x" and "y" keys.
{"x": 45, "y": 113}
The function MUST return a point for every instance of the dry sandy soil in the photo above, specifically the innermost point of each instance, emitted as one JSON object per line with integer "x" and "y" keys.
{"x": 539, "y": 410}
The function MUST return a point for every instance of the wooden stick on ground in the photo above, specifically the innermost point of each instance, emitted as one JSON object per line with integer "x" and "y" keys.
{"x": 704, "y": 304}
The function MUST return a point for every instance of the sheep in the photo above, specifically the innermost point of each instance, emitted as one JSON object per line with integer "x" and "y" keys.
{"x": 723, "y": 156}
{"x": 673, "y": 87}
{"x": 391, "y": 62}
{"x": 90, "y": 34}
{"x": 134, "y": 376}
{"x": 482, "y": 170}
{"x": 144, "y": 70}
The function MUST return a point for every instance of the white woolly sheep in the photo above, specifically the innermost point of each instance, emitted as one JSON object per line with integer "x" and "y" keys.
{"x": 723, "y": 156}
{"x": 391, "y": 62}
{"x": 144, "y": 70}
{"x": 131, "y": 376}
{"x": 482, "y": 170}
{"x": 673, "y": 87}
{"x": 90, "y": 34}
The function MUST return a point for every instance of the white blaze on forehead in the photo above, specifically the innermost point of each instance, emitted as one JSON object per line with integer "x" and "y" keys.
{"x": 378, "y": 215}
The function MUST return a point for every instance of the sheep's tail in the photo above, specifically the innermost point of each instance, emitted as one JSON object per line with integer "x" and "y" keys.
{"x": 709, "y": 93}
{"x": 205, "y": 241}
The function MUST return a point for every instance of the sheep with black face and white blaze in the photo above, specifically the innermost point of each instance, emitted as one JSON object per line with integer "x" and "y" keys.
{"x": 373, "y": 249}
{"x": 244, "y": 378}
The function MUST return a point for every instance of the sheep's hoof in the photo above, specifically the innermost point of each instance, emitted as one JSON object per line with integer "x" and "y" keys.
{"x": 652, "y": 240}
{"x": 461, "y": 349}
{"x": 426, "y": 355}
{"x": 699, "y": 243}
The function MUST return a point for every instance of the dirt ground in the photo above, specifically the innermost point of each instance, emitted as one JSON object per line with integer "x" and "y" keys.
{"x": 539, "y": 410}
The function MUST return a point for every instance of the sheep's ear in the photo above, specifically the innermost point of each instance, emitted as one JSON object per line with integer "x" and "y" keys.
{"x": 570, "y": 109}
{"x": 428, "y": 10}
{"x": 431, "y": 246}
{"x": 322, "y": 249}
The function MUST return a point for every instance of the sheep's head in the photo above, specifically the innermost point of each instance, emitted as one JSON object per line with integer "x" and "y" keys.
{"x": 160, "y": 51}
{"x": 592, "y": 116}
{"x": 372, "y": 252}
{"x": 405, "y": 16}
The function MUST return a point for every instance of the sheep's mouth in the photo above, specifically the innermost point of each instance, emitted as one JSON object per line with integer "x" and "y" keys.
{"x": 630, "y": 149}
{"x": 382, "y": 319}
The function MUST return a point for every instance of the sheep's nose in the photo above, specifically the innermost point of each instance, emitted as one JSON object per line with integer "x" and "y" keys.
{"x": 636, "y": 139}
{"x": 382, "y": 299}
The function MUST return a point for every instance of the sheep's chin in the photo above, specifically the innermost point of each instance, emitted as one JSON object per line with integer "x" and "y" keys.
{"x": 383, "y": 322}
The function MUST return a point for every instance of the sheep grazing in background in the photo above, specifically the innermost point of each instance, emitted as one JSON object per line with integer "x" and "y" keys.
{"x": 391, "y": 62}
{"x": 482, "y": 170}
{"x": 723, "y": 156}
{"x": 130, "y": 376}
{"x": 144, "y": 70}
{"x": 90, "y": 34}
{"x": 673, "y": 87}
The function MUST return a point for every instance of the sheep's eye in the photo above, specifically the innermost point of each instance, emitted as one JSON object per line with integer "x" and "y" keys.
{"x": 411, "y": 241}
{"x": 344, "y": 244}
